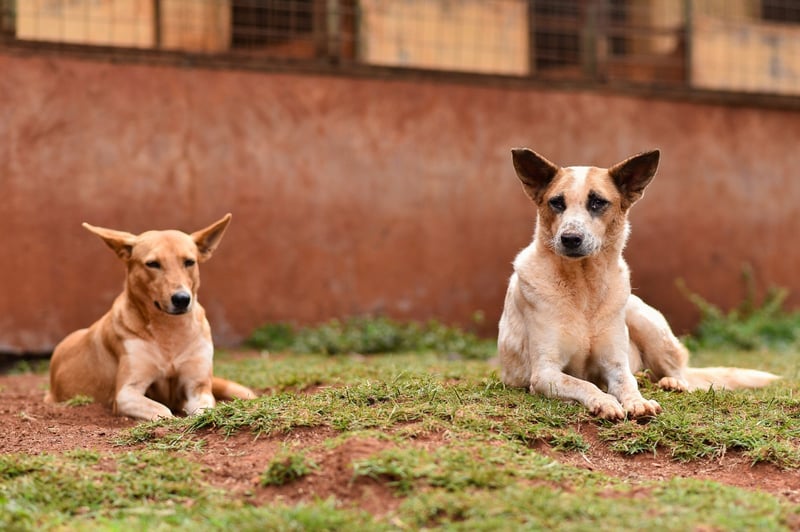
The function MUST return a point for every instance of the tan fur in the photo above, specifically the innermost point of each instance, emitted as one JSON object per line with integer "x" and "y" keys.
{"x": 564, "y": 331}
{"x": 151, "y": 354}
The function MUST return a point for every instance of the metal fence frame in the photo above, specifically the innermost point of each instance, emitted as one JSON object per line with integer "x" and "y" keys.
{"x": 328, "y": 57}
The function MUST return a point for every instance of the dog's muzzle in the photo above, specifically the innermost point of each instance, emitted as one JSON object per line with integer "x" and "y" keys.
{"x": 571, "y": 241}
{"x": 179, "y": 303}
{"x": 572, "y": 245}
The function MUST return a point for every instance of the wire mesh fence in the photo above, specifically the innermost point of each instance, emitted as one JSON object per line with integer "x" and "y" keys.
{"x": 724, "y": 45}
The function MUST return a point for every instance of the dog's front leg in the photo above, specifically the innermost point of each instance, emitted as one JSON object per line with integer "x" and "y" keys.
{"x": 198, "y": 396}
{"x": 195, "y": 370}
{"x": 549, "y": 379}
{"x": 133, "y": 380}
{"x": 130, "y": 401}
{"x": 611, "y": 355}
{"x": 552, "y": 382}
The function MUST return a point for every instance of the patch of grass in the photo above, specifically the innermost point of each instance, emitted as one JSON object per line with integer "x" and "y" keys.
{"x": 367, "y": 335}
{"x": 143, "y": 491}
{"x": 591, "y": 504}
{"x": 323, "y": 516}
{"x": 276, "y": 337}
{"x": 454, "y": 448}
{"x": 455, "y": 468}
{"x": 84, "y": 456}
{"x": 415, "y": 394}
{"x": 11, "y": 468}
{"x": 28, "y": 364}
{"x": 79, "y": 400}
{"x": 565, "y": 441}
{"x": 299, "y": 372}
{"x": 75, "y": 486}
{"x": 162, "y": 435}
{"x": 401, "y": 391}
{"x": 764, "y": 425}
{"x": 287, "y": 466}
{"x": 751, "y": 325}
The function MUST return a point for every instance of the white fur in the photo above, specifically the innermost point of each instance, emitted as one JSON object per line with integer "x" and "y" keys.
{"x": 576, "y": 219}
{"x": 562, "y": 333}
{"x": 580, "y": 175}
{"x": 570, "y": 326}
{"x": 141, "y": 375}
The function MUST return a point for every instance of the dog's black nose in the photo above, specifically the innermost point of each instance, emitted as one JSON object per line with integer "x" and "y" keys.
{"x": 571, "y": 240}
{"x": 181, "y": 300}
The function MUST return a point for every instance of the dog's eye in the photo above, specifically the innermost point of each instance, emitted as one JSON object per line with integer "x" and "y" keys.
{"x": 596, "y": 203}
{"x": 557, "y": 204}
{"x": 188, "y": 263}
{"x": 154, "y": 264}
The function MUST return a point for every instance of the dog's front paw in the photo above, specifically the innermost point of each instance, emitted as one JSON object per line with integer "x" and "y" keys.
{"x": 641, "y": 407}
{"x": 154, "y": 412}
{"x": 148, "y": 414}
{"x": 140, "y": 407}
{"x": 673, "y": 384}
{"x": 606, "y": 407}
{"x": 199, "y": 404}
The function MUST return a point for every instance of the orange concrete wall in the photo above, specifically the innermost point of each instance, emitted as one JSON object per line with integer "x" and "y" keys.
{"x": 355, "y": 196}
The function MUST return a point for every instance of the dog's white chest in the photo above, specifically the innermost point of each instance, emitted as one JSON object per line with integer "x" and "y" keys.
{"x": 168, "y": 361}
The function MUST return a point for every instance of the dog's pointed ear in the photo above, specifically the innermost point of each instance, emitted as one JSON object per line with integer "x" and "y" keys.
{"x": 634, "y": 174}
{"x": 534, "y": 171}
{"x": 208, "y": 239}
{"x": 120, "y": 241}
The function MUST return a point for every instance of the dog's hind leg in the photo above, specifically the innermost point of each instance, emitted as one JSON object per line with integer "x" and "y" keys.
{"x": 667, "y": 360}
{"x": 660, "y": 353}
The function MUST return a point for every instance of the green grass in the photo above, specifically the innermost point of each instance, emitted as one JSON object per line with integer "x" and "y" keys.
{"x": 457, "y": 467}
{"x": 79, "y": 400}
{"x": 28, "y": 365}
{"x": 429, "y": 393}
{"x": 484, "y": 473}
{"x": 287, "y": 467}
{"x": 52, "y": 490}
{"x": 588, "y": 504}
{"x": 764, "y": 425}
{"x": 367, "y": 335}
{"x": 453, "y": 446}
{"x": 751, "y": 325}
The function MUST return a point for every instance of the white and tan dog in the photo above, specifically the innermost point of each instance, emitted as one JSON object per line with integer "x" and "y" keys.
{"x": 570, "y": 326}
{"x": 151, "y": 354}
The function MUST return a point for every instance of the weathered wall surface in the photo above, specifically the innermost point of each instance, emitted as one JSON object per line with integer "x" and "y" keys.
{"x": 358, "y": 196}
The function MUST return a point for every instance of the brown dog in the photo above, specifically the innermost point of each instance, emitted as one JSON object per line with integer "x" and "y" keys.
{"x": 570, "y": 327}
{"x": 151, "y": 354}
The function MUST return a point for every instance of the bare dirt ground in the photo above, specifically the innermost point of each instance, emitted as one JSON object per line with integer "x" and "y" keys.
{"x": 234, "y": 464}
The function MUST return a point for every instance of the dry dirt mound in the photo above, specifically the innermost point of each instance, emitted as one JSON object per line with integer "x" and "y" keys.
{"x": 31, "y": 426}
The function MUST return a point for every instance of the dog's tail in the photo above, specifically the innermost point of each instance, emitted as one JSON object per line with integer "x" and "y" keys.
{"x": 225, "y": 390}
{"x": 727, "y": 378}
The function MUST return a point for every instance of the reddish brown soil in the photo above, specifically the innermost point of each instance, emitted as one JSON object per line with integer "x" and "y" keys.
{"x": 31, "y": 426}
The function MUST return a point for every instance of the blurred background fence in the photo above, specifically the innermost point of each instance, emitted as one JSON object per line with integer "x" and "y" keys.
{"x": 363, "y": 147}
{"x": 750, "y": 46}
